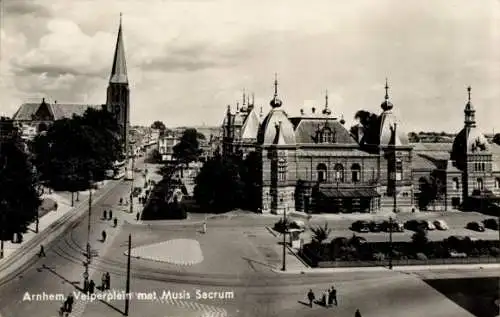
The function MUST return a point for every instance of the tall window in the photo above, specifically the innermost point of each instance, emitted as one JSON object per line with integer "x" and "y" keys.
{"x": 326, "y": 136}
{"x": 281, "y": 169}
{"x": 339, "y": 172}
{"x": 479, "y": 183}
{"x": 399, "y": 169}
{"x": 322, "y": 172}
{"x": 356, "y": 172}
{"x": 455, "y": 184}
{"x": 497, "y": 183}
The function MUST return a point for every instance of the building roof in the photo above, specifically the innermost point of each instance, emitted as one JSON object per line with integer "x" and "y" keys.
{"x": 307, "y": 128}
{"x": 387, "y": 123}
{"x": 349, "y": 192}
{"x": 59, "y": 111}
{"x": 251, "y": 126}
{"x": 327, "y": 152}
{"x": 420, "y": 162}
{"x": 267, "y": 131}
{"x": 119, "y": 70}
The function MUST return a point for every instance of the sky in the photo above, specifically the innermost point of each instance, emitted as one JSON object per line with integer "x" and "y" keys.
{"x": 188, "y": 59}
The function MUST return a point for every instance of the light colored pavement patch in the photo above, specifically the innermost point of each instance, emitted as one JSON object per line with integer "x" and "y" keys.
{"x": 205, "y": 310}
{"x": 177, "y": 251}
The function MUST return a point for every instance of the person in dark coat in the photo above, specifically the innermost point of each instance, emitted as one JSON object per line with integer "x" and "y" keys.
{"x": 333, "y": 295}
{"x": 104, "y": 214}
{"x": 108, "y": 280}
{"x": 91, "y": 287}
{"x": 42, "y": 251}
{"x": 115, "y": 222}
{"x": 310, "y": 297}
{"x": 103, "y": 281}
{"x": 357, "y": 313}
{"x": 137, "y": 216}
{"x": 70, "y": 300}
{"x": 103, "y": 236}
{"x": 110, "y": 213}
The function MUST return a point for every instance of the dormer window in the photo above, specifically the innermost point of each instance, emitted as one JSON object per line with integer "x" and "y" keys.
{"x": 325, "y": 135}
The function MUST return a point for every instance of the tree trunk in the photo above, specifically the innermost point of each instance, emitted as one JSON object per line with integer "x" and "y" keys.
{"x": 77, "y": 196}
{"x": 72, "y": 199}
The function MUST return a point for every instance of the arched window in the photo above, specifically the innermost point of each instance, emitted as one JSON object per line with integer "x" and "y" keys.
{"x": 399, "y": 169}
{"x": 483, "y": 166}
{"x": 479, "y": 183}
{"x": 322, "y": 172}
{"x": 456, "y": 184}
{"x": 339, "y": 172}
{"x": 356, "y": 172}
{"x": 281, "y": 169}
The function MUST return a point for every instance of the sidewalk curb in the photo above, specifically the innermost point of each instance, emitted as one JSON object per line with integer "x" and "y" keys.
{"x": 409, "y": 268}
{"x": 26, "y": 252}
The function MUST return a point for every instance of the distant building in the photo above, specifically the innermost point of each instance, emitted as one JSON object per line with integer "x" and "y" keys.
{"x": 312, "y": 163}
{"x": 166, "y": 145}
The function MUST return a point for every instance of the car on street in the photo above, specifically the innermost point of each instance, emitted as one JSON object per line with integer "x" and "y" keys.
{"x": 455, "y": 254}
{"x": 428, "y": 225}
{"x": 375, "y": 226}
{"x": 396, "y": 226}
{"x": 360, "y": 226}
{"x": 491, "y": 223}
{"x": 414, "y": 225}
{"x": 441, "y": 224}
{"x": 475, "y": 226}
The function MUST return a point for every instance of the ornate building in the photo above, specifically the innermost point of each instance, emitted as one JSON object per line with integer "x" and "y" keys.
{"x": 312, "y": 163}
{"x": 40, "y": 115}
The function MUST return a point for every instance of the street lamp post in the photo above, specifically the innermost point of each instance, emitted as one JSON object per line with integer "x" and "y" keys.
{"x": 284, "y": 238}
{"x": 132, "y": 183}
{"x": 88, "y": 255}
{"x": 127, "y": 285}
{"x": 3, "y": 210}
{"x": 390, "y": 243}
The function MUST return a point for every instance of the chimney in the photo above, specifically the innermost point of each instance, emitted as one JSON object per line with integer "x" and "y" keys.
{"x": 313, "y": 110}
{"x": 55, "y": 101}
{"x": 301, "y": 112}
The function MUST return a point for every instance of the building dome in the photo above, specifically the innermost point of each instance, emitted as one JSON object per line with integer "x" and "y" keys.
{"x": 267, "y": 131}
{"x": 471, "y": 142}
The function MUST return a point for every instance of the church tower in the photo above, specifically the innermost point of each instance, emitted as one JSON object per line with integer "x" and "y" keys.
{"x": 118, "y": 94}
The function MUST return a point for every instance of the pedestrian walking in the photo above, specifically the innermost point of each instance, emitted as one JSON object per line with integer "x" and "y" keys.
{"x": 330, "y": 298}
{"x": 103, "y": 235}
{"x": 115, "y": 222}
{"x": 324, "y": 298}
{"x": 70, "y": 300}
{"x": 42, "y": 251}
{"x": 62, "y": 310}
{"x": 86, "y": 286}
{"x": 103, "y": 281}
{"x": 121, "y": 201}
{"x": 357, "y": 313}
{"x": 108, "y": 280}
{"x": 137, "y": 216}
{"x": 104, "y": 214}
{"x": 333, "y": 293}
{"x": 310, "y": 297}
{"x": 110, "y": 213}
{"x": 204, "y": 230}
{"x": 91, "y": 287}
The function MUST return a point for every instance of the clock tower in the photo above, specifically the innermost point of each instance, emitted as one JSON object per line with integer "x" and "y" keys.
{"x": 118, "y": 94}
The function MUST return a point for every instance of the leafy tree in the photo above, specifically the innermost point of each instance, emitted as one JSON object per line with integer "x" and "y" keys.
{"x": 19, "y": 197}
{"x": 321, "y": 233}
{"x": 72, "y": 151}
{"x": 371, "y": 125}
{"x": 496, "y": 138}
{"x": 413, "y": 137}
{"x": 158, "y": 125}
{"x": 250, "y": 171}
{"x": 219, "y": 186}
{"x": 188, "y": 148}
{"x": 431, "y": 191}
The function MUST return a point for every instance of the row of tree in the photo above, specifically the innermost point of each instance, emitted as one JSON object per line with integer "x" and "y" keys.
{"x": 19, "y": 195}
{"x": 75, "y": 152}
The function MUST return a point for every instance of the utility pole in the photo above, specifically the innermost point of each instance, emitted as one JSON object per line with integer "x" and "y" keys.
{"x": 395, "y": 169}
{"x": 127, "y": 286}
{"x": 89, "y": 222}
{"x": 390, "y": 243}
{"x": 284, "y": 239}
{"x": 132, "y": 183}
{"x": 3, "y": 210}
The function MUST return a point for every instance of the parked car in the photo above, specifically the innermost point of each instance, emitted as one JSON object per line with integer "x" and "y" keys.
{"x": 396, "y": 226}
{"x": 415, "y": 225}
{"x": 360, "y": 226}
{"x": 491, "y": 223}
{"x": 375, "y": 226}
{"x": 441, "y": 225}
{"x": 428, "y": 225}
{"x": 455, "y": 254}
{"x": 476, "y": 226}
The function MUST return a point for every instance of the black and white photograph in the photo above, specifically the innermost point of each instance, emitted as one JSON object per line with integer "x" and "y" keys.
{"x": 237, "y": 158}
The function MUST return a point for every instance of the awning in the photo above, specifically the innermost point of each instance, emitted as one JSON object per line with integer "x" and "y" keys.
{"x": 349, "y": 193}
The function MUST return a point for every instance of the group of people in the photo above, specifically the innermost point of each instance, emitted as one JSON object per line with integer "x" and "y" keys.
{"x": 107, "y": 215}
{"x": 105, "y": 281}
{"x": 328, "y": 299}
{"x": 121, "y": 202}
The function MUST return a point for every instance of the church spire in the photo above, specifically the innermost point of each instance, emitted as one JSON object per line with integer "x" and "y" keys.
{"x": 386, "y": 105}
{"x": 326, "y": 111}
{"x": 275, "y": 102}
{"x": 119, "y": 70}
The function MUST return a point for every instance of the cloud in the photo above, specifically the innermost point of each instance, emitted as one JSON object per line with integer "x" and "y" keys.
{"x": 24, "y": 7}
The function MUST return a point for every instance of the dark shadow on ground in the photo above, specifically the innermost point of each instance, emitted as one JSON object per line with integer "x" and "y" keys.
{"x": 476, "y": 295}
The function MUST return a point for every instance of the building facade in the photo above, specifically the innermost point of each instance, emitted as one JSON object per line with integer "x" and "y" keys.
{"x": 313, "y": 163}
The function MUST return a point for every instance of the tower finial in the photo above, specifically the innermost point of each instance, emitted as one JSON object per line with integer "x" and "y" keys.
{"x": 121, "y": 15}
{"x": 253, "y": 99}
{"x": 326, "y": 98}
{"x": 469, "y": 90}
{"x": 326, "y": 111}
{"x": 386, "y": 90}
{"x": 275, "y": 85}
{"x": 244, "y": 97}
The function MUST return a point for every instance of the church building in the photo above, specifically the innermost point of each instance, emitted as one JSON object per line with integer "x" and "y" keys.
{"x": 314, "y": 164}
{"x": 38, "y": 116}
